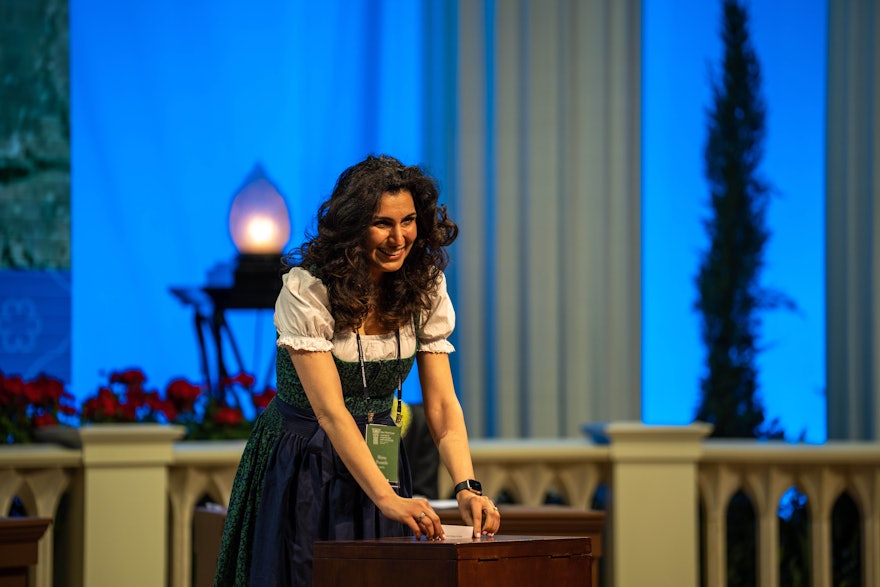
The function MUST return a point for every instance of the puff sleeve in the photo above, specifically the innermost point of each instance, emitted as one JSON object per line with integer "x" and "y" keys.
{"x": 436, "y": 327}
{"x": 302, "y": 313}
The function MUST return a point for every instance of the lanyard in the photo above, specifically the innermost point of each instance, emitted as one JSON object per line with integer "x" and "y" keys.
{"x": 364, "y": 380}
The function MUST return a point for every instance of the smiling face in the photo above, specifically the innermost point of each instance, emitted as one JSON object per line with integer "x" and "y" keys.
{"x": 392, "y": 233}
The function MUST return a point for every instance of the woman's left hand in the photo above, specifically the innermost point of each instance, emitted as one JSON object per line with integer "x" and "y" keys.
{"x": 480, "y": 512}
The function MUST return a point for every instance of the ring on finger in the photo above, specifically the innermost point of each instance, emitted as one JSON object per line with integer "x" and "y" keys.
{"x": 421, "y": 515}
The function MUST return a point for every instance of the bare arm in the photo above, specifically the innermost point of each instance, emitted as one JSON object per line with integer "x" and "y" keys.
{"x": 446, "y": 423}
{"x": 320, "y": 380}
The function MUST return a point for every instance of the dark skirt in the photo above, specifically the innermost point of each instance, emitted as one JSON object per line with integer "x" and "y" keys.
{"x": 290, "y": 490}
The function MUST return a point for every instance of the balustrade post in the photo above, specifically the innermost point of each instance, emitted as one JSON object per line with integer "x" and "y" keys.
{"x": 122, "y": 501}
{"x": 654, "y": 503}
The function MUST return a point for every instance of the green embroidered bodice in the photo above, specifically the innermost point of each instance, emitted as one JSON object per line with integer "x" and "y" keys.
{"x": 381, "y": 382}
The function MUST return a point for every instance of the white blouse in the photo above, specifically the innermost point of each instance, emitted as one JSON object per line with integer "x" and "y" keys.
{"x": 303, "y": 322}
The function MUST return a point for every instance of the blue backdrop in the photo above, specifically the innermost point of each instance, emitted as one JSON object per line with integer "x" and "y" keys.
{"x": 680, "y": 42}
{"x": 173, "y": 103}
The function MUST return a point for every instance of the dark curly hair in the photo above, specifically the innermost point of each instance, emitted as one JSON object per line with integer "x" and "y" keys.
{"x": 336, "y": 254}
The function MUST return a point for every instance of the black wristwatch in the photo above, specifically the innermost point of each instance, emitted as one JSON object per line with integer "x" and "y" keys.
{"x": 470, "y": 485}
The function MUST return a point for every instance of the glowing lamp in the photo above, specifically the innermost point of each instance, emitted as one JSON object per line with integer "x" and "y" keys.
{"x": 259, "y": 225}
{"x": 258, "y": 219}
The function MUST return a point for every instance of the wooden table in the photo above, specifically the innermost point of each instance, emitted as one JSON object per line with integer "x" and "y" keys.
{"x": 547, "y": 520}
{"x": 18, "y": 548}
{"x": 207, "y": 535}
{"x": 502, "y": 560}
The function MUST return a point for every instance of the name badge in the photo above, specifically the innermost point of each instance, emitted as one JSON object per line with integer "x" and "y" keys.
{"x": 384, "y": 444}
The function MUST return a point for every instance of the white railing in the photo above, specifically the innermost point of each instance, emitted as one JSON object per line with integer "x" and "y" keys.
{"x": 124, "y": 500}
{"x": 199, "y": 469}
{"x": 764, "y": 472}
{"x": 39, "y": 475}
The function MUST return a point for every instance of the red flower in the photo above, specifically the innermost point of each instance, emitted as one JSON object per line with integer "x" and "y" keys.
{"x": 243, "y": 379}
{"x": 105, "y": 406}
{"x": 20, "y": 396}
{"x": 151, "y": 400}
{"x": 167, "y": 409}
{"x": 14, "y": 385}
{"x": 129, "y": 412}
{"x": 33, "y": 393}
{"x": 49, "y": 388}
{"x": 108, "y": 401}
{"x": 183, "y": 394}
{"x": 128, "y": 377}
{"x": 229, "y": 416}
{"x": 67, "y": 410}
{"x": 136, "y": 397}
{"x": 31, "y": 404}
{"x": 205, "y": 415}
{"x": 44, "y": 419}
{"x": 261, "y": 400}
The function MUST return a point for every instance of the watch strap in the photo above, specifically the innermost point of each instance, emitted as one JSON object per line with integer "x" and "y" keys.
{"x": 470, "y": 485}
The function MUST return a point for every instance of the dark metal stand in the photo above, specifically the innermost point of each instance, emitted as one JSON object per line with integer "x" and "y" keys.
{"x": 256, "y": 286}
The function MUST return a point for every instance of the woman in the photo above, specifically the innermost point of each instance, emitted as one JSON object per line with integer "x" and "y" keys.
{"x": 363, "y": 299}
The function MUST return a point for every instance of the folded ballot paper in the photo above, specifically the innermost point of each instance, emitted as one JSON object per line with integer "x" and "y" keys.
{"x": 453, "y": 531}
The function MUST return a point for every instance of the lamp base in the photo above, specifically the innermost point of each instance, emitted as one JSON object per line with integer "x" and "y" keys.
{"x": 257, "y": 265}
{"x": 257, "y": 278}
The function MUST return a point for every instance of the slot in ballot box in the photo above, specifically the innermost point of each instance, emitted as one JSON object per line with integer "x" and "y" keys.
{"x": 502, "y": 560}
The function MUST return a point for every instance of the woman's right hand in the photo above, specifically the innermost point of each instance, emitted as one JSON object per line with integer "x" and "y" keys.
{"x": 416, "y": 513}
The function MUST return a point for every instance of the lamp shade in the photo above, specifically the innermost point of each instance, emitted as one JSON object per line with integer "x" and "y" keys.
{"x": 259, "y": 222}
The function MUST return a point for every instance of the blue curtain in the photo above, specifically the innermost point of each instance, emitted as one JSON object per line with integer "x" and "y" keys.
{"x": 172, "y": 105}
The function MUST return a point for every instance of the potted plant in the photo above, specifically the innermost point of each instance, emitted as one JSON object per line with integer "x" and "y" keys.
{"x": 29, "y": 405}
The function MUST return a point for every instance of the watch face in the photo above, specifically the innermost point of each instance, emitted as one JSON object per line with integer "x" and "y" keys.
{"x": 475, "y": 486}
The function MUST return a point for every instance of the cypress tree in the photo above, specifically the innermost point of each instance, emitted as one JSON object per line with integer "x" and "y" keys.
{"x": 729, "y": 292}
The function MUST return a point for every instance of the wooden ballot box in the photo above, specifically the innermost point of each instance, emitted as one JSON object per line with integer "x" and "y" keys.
{"x": 502, "y": 560}
{"x": 546, "y": 520}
